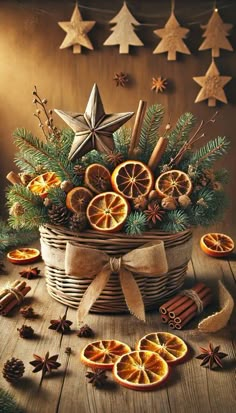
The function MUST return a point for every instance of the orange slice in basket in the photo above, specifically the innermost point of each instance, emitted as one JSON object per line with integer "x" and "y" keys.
{"x": 97, "y": 178}
{"x": 42, "y": 183}
{"x": 216, "y": 244}
{"x": 132, "y": 179}
{"x": 103, "y": 353}
{"x": 107, "y": 212}
{"x": 173, "y": 183}
{"x": 141, "y": 370}
{"x": 23, "y": 255}
{"x": 169, "y": 346}
{"x": 78, "y": 199}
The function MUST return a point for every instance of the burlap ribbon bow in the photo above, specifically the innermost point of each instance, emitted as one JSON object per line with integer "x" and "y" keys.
{"x": 148, "y": 260}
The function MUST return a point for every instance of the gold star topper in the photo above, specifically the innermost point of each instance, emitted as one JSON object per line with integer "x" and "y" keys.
{"x": 212, "y": 86}
{"x": 93, "y": 129}
{"x": 76, "y": 30}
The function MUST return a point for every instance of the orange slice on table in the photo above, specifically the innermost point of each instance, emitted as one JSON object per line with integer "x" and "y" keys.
{"x": 169, "y": 346}
{"x": 97, "y": 178}
{"x": 173, "y": 183}
{"x": 42, "y": 183}
{"x": 132, "y": 179}
{"x": 107, "y": 212}
{"x": 78, "y": 199}
{"x": 216, "y": 244}
{"x": 103, "y": 353}
{"x": 23, "y": 255}
{"x": 141, "y": 370}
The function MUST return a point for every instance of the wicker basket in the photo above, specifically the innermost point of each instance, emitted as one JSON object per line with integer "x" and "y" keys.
{"x": 69, "y": 289}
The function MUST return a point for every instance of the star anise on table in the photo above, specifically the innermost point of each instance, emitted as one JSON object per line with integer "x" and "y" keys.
{"x": 121, "y": 79}
{"x": 114, "y": 158}
{"x": 27, "y": 312}
{"x": 85, "y": 331}
{"x": 45, "y": 364}
{"x": 61, "y": 325}
{"x": 30, "y": 273}
{"x": 211, "y": 356}
{"x": 97, "y": 377}
{"x": 158, "y": 84}
{"x": 26, "y": 331}
{"x": 154, "y": 213}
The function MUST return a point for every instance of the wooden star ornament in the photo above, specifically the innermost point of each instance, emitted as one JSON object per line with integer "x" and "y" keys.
{"x": 212, "y": 86}
{"x": 172, "y": 36}
{"x": 76, "y": 32}
{"x": 93, "y": 129}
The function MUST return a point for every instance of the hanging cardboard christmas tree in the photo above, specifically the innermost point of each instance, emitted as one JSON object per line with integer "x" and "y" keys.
{"x": 212, "y": 86}
{"x": 172, "y": 36}
{"x": 123, "y": 32}
{"x": 76, "y": 30}
{"x": 216, "y": 32}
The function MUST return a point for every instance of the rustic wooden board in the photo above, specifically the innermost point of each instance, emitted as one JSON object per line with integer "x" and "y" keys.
{"x": 190, "y": 388}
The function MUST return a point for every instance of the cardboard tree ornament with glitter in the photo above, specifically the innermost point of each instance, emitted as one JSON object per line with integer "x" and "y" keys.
{"x": 216, "y": 32}
{"x": 172, "y": 36}
{"x": 123, "y": 32}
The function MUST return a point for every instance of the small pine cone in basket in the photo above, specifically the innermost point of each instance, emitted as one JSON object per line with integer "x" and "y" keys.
{"x": 78, "y": 222}
{"x": 13, "y": 370}
{"x": 59, "y": 215}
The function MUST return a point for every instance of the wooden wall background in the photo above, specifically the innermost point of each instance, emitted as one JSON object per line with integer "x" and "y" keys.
{"x": 30, "y": 55}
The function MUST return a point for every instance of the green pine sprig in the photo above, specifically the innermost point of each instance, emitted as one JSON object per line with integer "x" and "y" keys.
{"x": 11, "y": 238}
{"x": 8, "y": 404}
{"x": 175, "y": 221}
{"x": 136, "y": 223}
{"x": 122, "y": 140}
{"x": 211, "y": 152}
{"x": 149, "y": 132}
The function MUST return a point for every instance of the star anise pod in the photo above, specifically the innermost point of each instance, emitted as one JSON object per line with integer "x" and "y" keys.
{"x": 211, "y": 356}
{"x": 154, "y": 213}
{"x": 61, "y": 325}
{"x": 114, "y": 158}
{"x": 158, "y": 84}
{"x": 85, "y": 331}
{"x": 45, "y": 364}
{"x": 26, "y": 331}
{"x": 79, "y": 170}
{"x": 121, "y": 79}
{"x": 30, "y": 273}
{"x": 97, "y": 377}
{"x": 27, "y": 312}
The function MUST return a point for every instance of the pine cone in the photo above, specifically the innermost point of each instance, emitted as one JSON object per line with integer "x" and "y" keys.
{"x": 59, "y": 215}
{"x": 13, "y": 370}
{"x": 78, "y": 222}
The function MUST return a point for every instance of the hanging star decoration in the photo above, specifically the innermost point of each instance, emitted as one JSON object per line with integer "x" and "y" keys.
{"x": 158, "y": 84}
{"x": 212, "y": 86}
{"x": 172, "y": 36}
{"x": 216, "y": 32}
{"x": 76, "y": 30}
{"x": 93, "y": 129}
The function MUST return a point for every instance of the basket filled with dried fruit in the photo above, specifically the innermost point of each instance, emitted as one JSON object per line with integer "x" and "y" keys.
{"x": 115, "y": 206}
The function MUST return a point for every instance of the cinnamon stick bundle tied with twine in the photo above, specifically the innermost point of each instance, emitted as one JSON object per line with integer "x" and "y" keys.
{"x": 12, "y": 295}
{"x": 179, "y": 310}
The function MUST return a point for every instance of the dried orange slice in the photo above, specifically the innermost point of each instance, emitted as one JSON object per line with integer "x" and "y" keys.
{"x": 42, "y": 183}
{"x": 107, "y": 212}
{"x": 173, "y": 183}
{"x": 103, "y": 353}
{"x": 216, "y": 244}
{"x": 169, "y": 346}
{"x": 78, "y": 199}
{"x": 132, "y": 179}
{"x": 141, "y": 370}
{"x": 23, "y": 255}
{"x": 97, "y": 178}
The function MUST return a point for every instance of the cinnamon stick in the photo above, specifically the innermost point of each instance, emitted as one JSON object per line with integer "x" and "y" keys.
{"x": 14, "y": 284}
{"x": 14, "y": 302}
{"x": 178, "y": 299}
{"x": 157, "y": 153}
{"x": 193, "y": 309}
{"x": 165, "y": 318}
{"x": 10, "y": 296}
{"x": 189, "y": 303}
{"x": 13, "y": 178}
{"x": 171, "y": 324}
{"x": 163, "y": 308}
{"x": 137, "y": 126}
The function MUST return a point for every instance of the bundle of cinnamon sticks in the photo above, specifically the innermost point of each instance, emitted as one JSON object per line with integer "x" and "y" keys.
{"x": 12, "y": 295}
{"x": 180, "y": 309}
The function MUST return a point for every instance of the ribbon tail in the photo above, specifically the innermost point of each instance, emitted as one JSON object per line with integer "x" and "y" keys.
{"x": 132, "y": 294}
{"x": 92, "y": 293}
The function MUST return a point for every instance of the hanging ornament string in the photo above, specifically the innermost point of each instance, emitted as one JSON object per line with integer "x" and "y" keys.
{"x": 172, "y": 6}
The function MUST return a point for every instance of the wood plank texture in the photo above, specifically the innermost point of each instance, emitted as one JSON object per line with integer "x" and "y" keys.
{"x": 190, "y": 388}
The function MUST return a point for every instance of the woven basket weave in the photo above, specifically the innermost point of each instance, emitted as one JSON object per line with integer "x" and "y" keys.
{"x": 69, "y": 290}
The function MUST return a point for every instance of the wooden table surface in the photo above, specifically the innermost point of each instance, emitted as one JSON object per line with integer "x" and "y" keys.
{"x": 190, "y": 388}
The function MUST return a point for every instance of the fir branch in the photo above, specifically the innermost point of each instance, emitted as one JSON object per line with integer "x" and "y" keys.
{"x": 209, "y": 153}
{"x": 122, "y": 140}
{"x": 180, "y": 133}
{"x": 30, "y": 220}
{"x": 208, "y": 207}
{"x": 8, "y": 404}
{"x": 222, "y": 176}
{"x": 149, "y": 132}
{"x": 135, "y": 223}
{"x": 93, "y": 157}
{"x": 20, "y": 193}
{"x": 24, "y": 163}
{"x": 175, "y": 221}
{"x": 10, "y": 238}
{"x": 57, "y": 196}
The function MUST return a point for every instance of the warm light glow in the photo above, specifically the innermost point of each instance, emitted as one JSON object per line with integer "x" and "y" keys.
{"x": 216, "y": 10}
